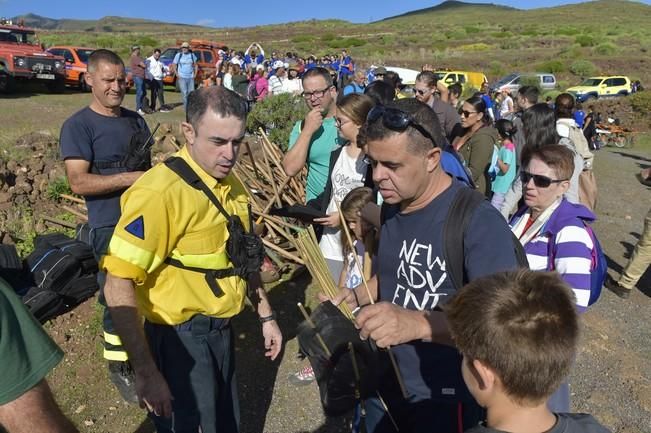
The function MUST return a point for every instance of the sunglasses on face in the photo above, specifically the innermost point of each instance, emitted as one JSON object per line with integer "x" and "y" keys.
{"x": 466, "y": 113}
{"x": 539, "y": 180}
{"x": 422, "y": 92}
{"x": 396, "y": 120}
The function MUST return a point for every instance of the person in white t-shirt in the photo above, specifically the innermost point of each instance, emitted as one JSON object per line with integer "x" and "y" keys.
{"x": 348, "y": 170}
{"x": 278, "y": 79}
{"x": 506, "y": 107}
{"x": 155, "y": 71}
{"x": 293, "y": 84}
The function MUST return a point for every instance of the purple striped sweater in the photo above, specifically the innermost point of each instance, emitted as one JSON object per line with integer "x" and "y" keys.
{"x": 571, "y": 248}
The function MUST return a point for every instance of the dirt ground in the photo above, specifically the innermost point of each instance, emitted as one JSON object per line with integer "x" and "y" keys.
{"x": 611, "y": 378}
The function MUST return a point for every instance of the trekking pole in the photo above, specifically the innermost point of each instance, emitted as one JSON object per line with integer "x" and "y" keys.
{"x": 394, "y": 364}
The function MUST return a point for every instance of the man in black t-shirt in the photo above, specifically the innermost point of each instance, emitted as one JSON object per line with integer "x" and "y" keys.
{"x": 98, "y": 145}
{"x": 413, "y": 281}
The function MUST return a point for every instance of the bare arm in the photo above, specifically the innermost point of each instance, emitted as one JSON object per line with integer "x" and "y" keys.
{"x": 443, "y": 91}
{"x": 35, "y": 411}
{"x": 296, "y": 157}
{"x": 84, "y": 183}
{"x": 273, "y": 338}
{"x": 151, "y": 387}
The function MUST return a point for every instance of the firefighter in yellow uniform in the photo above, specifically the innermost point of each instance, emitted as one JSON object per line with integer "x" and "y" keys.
{"x": 171, "y": 259}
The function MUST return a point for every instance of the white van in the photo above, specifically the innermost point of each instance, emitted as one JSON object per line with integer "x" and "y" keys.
{"x": 512, "y": 82}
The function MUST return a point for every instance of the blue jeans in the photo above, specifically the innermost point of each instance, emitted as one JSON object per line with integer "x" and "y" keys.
{"x": 140, "y": 92}
{"x": 186, "y": 86}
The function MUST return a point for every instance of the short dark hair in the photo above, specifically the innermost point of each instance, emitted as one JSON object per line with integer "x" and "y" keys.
{"x": 381, "y": 92}
{"x": 556, "y": 156}
{"x": 105, "y": 56}
{"x": 392, "y": 78}
{"x": 564, "y": 106}
{"x": 521, "y": 324}
{"x": 456, "y": 89}
{"x": 420, "y": 113}
{"x": 318, "y": 72}
{"x": 530, "y": 93}
{"x": 156, "y": 50}
{"x": 220, "y": 100}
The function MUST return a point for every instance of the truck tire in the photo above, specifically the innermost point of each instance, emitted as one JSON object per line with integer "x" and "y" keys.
{"x": 7, "y": 83}
{"x": 83, "y": 85}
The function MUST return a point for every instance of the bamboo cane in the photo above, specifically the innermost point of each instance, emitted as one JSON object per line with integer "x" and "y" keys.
{"x": 73, "y": 199}
{"x": 75, "y": 212}
{"x": 59, "y": 222}
{"x": 283, "y": 252}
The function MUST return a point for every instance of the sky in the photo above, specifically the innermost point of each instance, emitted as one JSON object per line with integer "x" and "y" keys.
{"x": 236, "y": 13}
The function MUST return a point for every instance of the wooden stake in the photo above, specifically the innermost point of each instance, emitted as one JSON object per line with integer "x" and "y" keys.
{"x": 73, "y": 199}
{"x": 76, "y": 213}
{"x": 59, "y": 222}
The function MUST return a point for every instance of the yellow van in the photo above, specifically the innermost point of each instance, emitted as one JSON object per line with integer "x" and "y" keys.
{"x": 466, "y": 78}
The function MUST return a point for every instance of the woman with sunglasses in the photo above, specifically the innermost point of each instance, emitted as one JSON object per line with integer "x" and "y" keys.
{"x": 477, "y": 142}
{"x": 550, "y": 228}
{"x": 553, "y": 231}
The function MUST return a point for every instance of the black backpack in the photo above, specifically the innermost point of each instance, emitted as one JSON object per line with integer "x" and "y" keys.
{"x": 456, "y": 222}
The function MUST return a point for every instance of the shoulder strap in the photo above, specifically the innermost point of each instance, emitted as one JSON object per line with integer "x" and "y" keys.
{"x": 185, "y": 172}
{"x": 457, "y": 220}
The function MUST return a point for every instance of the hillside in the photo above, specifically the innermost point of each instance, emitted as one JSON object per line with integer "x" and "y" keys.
{"x": 454, "y": 6}
{"x": 573, "y": 41}
{"x": 106, "y": 24}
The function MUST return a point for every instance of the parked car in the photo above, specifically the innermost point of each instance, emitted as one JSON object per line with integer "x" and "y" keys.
{"x": 601, "y": 87}
{"x": 207, "y": 56}
{"x": 76, "y": 59}
{"x": 473, "y": 79}
{"x": 512, "y": 82}
{"x": 22, "y": 59}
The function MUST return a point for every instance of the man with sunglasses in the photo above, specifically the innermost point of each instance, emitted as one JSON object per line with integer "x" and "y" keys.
{"x": 413, "y": 282}
{"x": 313, "y": 138}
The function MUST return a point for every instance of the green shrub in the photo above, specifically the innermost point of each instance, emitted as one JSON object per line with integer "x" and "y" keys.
{"x": 568, "y": 31}
{"x": 583, "y": 68}
{"x": 57, "y": 187}
{"x": 531, "y": 80}
{"x": 510, "y": 44}
{"x": 641, "y": 102}
{"x": 277, "y": 115}
{"x": 496, "y": 69}
{"x": 455, "y": 34}
{"x": 585, "y": 40}
{"x": 302, "y": 38}
{"x": 551, "y": 66}
{"x": 605, "y": 49}
{"x": 474, "y": 47}
{"x": 500, "y": 35}
{"x": 328, "y": 37}
{"x": 345, "y": 43}
{"x": 472, "y": 29}
{"x": 571, "y": 52}
{"x": 530, "y": 31}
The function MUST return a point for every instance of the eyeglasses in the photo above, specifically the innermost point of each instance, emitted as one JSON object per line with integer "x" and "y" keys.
{"x": 422, "y": 92}
{"x": 396, "y": 120}
{"x": 318, "y": 94}
{"x": 339, "y": 123}
{"x": 539, "y": 180}
{"x": 465, "y": 113}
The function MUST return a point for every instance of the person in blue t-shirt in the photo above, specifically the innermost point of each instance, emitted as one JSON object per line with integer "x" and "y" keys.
{"x": 346, "y": 67}
{"x": 413, "y": 283}
{"x": 579, "y": 115}
{"x": 185, "y": 67}
{"x": 95, "y": 147}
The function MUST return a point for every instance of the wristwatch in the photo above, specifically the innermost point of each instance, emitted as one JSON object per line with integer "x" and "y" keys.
{"x": 268, "y": 318}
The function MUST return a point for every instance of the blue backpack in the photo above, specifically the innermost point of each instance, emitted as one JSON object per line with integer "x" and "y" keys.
{"x": 598, "y": 267}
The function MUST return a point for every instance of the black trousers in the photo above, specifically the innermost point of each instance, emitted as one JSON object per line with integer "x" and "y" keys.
{"x": 197, "y": 359}
{"x": 156, "y": 92}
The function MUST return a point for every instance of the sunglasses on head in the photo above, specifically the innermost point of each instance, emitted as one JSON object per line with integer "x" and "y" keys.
{"x": 396, "y": 120}
{"x": 538, "y": 180}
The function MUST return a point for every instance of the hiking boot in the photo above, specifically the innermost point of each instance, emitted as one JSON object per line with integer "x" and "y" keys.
{"x": 124, "y": 379}
{"x": 302, "y": 377}
{"x": 612, "y": 285}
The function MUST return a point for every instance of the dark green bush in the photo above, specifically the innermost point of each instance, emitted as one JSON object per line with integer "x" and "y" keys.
{"x": 328, "y": 37}
{"x": 641, "y": 102}
{"x": 345, "y": 43}
{"x": 531, "y": 80}
{"x": 472, "y": 29}
{"x": 605, "y": 49}
{"x": 567, "y": 31}
{"x": 583, "y": 68}
{"x": 586, "y": 40}
{"x": 277, "y": 115}
{"x": 551, "y": 66}
{"x": 500, "y": 35}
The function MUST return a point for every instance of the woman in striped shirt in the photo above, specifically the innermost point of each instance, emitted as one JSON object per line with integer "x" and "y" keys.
{"x": 551, "y": 229}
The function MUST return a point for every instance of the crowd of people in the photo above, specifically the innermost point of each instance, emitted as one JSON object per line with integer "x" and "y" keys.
{"x": 472, "y": 254}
